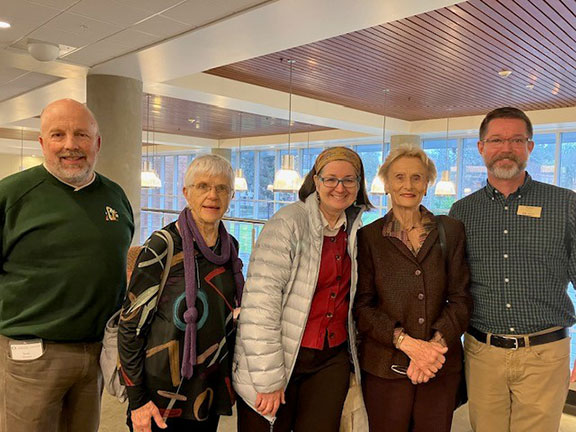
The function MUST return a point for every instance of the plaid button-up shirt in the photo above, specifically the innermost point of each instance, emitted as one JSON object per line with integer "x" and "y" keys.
{"x": 520, "y": 262}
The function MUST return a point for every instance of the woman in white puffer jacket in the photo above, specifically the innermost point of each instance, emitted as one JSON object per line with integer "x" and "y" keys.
{"x": 296, "y": 335}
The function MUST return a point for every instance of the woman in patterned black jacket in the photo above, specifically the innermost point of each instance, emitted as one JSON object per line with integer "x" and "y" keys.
{"x": 176, "y": 352}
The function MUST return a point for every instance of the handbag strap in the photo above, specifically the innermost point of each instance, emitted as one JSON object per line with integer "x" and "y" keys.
{"x": 149, "y": 314}
{"x": 442, "y": 241}
{"x": 169, "y": 254}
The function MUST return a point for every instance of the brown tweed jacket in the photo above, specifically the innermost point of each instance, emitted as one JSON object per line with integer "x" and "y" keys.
{"x": 398, "y": 289}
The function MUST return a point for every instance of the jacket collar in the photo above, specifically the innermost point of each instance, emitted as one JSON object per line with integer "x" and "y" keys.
{"x": 312, "y": 206}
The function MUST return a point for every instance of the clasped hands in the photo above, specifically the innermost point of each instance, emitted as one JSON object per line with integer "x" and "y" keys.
{"x": 426, "y": 358}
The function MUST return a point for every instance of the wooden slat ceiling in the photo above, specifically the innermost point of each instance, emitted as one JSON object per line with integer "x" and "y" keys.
{"x": 182, "y": 117}
{"x": 444, "y": 63}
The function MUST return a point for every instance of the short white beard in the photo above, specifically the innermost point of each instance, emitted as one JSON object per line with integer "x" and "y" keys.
{"x": 507, "y": 173}
{"x": 73, "y": 177}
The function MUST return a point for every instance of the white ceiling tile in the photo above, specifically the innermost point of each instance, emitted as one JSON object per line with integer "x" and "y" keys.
{"x": 23, "y": 17}
{"x": 25, "y": 83}
{"x": 132, "y": 39}
{"x": 86, "y": 29}
{"x": 23, "y": 10}
{"x": 62, "y": 37}
{"x": 8, "y": 74}
{"x": 162, "y": 27}
{"x": 198, "y": 13}
{"x": 58, "y": 4}
{"x": 110, "y": 11}
{"x": 153, "y": 6}
{"x": 97, "y": 53}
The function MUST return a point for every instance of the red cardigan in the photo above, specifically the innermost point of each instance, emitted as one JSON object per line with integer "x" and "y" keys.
{"x": 398, "y": 289}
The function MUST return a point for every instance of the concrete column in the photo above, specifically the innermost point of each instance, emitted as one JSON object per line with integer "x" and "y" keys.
{"x": 398, "y": 140}
{"x": 117, "y": 104}
{"x": 224, "y": 152}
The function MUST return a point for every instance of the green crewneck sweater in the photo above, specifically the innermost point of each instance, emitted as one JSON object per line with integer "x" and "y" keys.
{"x": 62, "y": 256}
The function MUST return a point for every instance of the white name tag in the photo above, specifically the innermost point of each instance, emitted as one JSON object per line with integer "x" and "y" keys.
{"x": 530, "y": 211}
{"x": 26, "y": 349}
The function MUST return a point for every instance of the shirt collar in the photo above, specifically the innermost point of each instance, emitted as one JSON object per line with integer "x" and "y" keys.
{"x": 331, "y": 232}
{"x": 493, "y": 192}
{"x": 76, "y": 188}
{"x": 392, "y": 226}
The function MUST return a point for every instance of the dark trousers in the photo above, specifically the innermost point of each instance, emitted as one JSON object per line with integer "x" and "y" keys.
{"x": 314, "y": 397}
{"x": 183, "y": 425}
{"x": 397, "y": 405}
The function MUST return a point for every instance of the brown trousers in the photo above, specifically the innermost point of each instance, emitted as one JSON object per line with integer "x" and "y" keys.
{"x": 397, "y": 405}
{"x": 314, "y": 397}
{"x": 60, "y": 391}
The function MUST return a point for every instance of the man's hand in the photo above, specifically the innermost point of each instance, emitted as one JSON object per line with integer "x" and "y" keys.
{"x": 268, "y": 403}
{"x": 142, "y": 418}
{"x": 573, "y": 376}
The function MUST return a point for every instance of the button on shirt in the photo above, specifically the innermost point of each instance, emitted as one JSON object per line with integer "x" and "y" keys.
{"x": 329, "y": 310}
{"x": 520, "y": 265}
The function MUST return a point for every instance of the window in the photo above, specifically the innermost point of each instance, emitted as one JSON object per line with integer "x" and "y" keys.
{"x": 457, "y": 155}
{"x": 473, "y": 170}
{"x": 541, "y": 162}
{"x": 444, "y": 155}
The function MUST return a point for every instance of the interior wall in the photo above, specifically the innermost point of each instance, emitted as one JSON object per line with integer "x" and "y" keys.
{"x": 10, "y": 164}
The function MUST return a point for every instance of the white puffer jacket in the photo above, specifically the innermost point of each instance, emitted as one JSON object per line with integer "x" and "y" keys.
{"x": 281, "y": 282}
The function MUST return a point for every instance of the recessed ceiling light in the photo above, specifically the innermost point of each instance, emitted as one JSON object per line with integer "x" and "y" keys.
{"x": 4, "y": 25}
{"x": 505, "y": 73}
{"x": 530, "y": 86}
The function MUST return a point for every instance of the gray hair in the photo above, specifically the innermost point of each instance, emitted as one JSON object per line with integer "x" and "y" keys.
{"x": 412, "y": 152}
{"x": 211, "y": 165}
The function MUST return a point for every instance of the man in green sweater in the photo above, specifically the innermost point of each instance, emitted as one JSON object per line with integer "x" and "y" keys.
{"x": 64, "y": 234}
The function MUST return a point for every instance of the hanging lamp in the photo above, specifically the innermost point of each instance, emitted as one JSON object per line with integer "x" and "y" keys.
{"x": 287, "y": 179}
{"x": 445, "y": 187}
{"x": 240, "y": 183}
{"x": 148, "y": 176}
{"x": 377, "y": 186}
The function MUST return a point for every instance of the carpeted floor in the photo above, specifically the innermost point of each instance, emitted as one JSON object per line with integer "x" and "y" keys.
{"x": 114, "y": 419}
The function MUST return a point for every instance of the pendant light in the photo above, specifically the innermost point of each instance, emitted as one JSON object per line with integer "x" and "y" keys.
{"x": 148, "y": 177}
{"x": 287, "y": 178}
{"x": 445, "y": 187}
{"x": 240, "y": 184}
{"x": 377, "y": 186}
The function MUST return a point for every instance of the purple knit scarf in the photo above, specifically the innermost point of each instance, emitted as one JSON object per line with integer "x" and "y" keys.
{"x": 190, "y": 235}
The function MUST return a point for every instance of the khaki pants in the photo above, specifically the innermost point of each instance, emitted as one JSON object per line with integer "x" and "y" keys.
{"x": 60, "y": 391}
{"x": 517, "y": 390}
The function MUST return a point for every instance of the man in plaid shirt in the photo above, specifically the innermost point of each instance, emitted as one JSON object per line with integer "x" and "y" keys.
{"x": 521, "y": 245}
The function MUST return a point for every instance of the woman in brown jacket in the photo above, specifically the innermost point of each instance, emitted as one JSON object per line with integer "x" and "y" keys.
{"x": 412, "y": 305}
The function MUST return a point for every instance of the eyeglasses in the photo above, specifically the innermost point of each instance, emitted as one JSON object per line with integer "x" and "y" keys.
{"x": 517, "y": 141}
{"x": 332, "y": 182}
{"x": 204, "y": 188}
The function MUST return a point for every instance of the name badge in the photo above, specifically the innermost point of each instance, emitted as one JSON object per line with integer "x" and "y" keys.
{"x": 530, "y": 211}
{"x": 26, "y": 349}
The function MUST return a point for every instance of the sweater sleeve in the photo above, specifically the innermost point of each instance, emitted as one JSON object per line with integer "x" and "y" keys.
{"x": 139, "y": 306}
{"x": 370, "y": 321}
{"x": 453, "y": 319}
{"x": 261, "y": 314}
